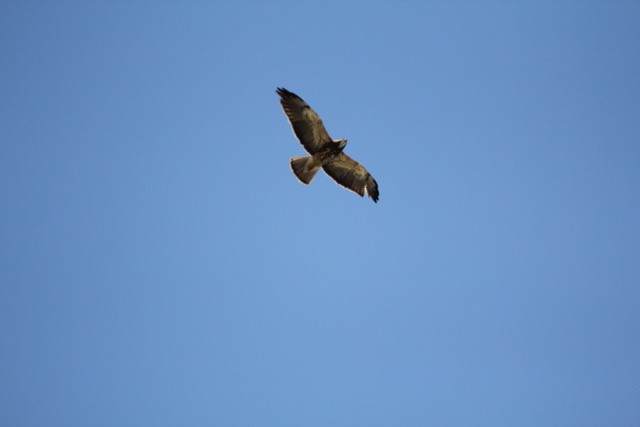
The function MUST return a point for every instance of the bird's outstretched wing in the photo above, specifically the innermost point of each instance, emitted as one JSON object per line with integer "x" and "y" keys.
{"x": 305, "y": 122}
{"x": 352, "y": 175}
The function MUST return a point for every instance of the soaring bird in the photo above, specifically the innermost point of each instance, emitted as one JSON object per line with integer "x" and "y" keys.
{"x": 326, "y": 153}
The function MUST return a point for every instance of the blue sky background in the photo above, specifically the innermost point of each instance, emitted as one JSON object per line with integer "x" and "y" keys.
{"x": 161, "y": 265}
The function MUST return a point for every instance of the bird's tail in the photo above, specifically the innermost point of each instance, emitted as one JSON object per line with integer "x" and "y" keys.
{"x": 304, "y": 168}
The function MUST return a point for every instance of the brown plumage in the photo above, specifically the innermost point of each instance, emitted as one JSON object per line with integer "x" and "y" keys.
{"x": 325, "y": 152}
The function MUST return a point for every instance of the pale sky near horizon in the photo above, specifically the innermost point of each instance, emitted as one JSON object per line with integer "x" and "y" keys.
{"x": 162, "y": 266}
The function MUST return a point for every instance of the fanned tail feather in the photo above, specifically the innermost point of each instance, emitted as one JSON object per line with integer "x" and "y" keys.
{"x": 304, "y": 168}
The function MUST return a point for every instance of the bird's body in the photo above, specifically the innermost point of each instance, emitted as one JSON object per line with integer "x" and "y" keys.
{"x": 305, "y": 168}
{"x": 326, "y": 153}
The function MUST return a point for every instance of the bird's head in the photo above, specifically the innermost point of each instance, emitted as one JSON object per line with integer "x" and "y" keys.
{"x": 341, "y": 143}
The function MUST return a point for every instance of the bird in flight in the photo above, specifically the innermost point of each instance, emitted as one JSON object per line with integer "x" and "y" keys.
{"x": 326, "y": 153}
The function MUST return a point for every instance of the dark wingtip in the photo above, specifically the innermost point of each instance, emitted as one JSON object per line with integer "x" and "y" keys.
{"x": 284, "y": 93}
{"x": 373, "y": 192}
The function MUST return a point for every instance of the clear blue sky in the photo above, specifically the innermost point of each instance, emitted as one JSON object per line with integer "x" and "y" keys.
{"x": 161, "y": 265}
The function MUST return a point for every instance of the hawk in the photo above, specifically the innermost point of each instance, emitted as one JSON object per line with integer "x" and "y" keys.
{"x": 326, "y": 153}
